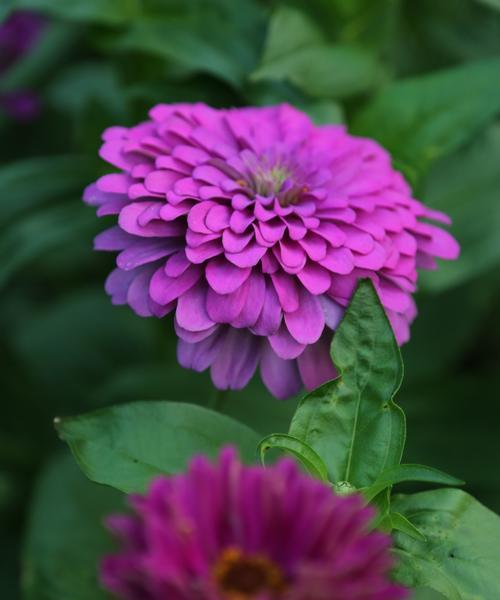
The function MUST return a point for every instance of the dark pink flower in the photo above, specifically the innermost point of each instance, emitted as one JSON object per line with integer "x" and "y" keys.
{"x": 254, "y": 226}
{"x": 230, "y": 532}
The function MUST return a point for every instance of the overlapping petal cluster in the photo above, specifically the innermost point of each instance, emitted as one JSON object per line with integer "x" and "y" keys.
{"x": 254, "y": 226}
{"x": 230, "y": 532}
{"x": 18, "y": 34}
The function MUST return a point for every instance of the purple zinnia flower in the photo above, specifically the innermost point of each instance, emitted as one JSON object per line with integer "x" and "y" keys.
{"x": 255, "y": 226}
{"x": 231, "y": 532}
{"x": 18, "y": 35}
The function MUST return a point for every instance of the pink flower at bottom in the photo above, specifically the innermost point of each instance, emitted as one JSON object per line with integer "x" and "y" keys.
{"x": 254, "y": 227}
{"x": 231, "y": 532}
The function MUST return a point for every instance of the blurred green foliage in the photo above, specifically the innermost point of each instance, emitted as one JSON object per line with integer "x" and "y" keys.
{"x": 421, "y": 77}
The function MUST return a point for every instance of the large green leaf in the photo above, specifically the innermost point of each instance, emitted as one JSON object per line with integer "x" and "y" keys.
{"x": 465, "y": 186}
{"x": 65, "y": 535}
{"x": 461, "y": 554}
{"x": 352, "y": 422}
{"x": 421, "y": 119}
{"x": 296, "y": 52}
{"x": 125, "y": 446}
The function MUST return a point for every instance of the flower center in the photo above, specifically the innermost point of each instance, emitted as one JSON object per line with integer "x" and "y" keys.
{"x": 276, "y": 181}
{"x": 242, "y": 577}
{"x": 270, "y": 181}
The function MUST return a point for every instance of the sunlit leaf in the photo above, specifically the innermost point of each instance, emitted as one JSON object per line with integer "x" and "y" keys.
{"x": 460, "y": 555}
{"x": 296, "y": 52}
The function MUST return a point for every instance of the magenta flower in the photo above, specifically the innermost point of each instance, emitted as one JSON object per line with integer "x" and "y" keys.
{"x": 254, "y": 226}
{"x": 18, "y": 35}
{"x": 230, "y": 532}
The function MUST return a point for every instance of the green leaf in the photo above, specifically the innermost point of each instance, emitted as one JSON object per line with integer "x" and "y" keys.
{"x": 426, "y": 594}
{"x": 290, "y": 30}
{"x": 460, "y": 555}
{"x": 89, "y": 83}
{"x": 65, "y": 535}
{"x": 401, "y": 473}
{"x": 6, "y": 8}
{"x": 72, "y": 344}
{"x": 401, "y": 523}
{"x": 37, "y": 234}
{"x": 352, "y": 422}
{"x": 382, "y": 503}
{"x": 424, "y": 118}
{"x": 304, "y": 453}
{"x": 126, "y": 446}
{"x": 55, "y": 43}
{"x": 495, "y": 4}
{"x": 29, "y": 183}
{"x": 296, "y": 52}
{"x": 465, "y": 186}
{"x": 324, "y": 112}
{"x": 192, "y": 41}
{"x": 110, "y": 12}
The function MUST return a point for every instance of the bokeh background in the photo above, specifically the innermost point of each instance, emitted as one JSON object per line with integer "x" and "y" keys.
{"x": 422, "y": 77}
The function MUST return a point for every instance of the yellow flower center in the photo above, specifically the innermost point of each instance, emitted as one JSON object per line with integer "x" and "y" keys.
{"x": 242, "y": 577}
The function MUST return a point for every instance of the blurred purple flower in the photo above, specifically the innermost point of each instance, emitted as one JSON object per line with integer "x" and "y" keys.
{"x": 18, "y": 35}
{"x": 20, "y": 105}
{"x": 255, "y": 226}
{"x": 230, "y": 532}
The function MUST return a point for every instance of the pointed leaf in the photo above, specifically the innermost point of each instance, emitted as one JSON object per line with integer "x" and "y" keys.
{"x": 400, "y": 523}
{"x": 352, "y": 422}
{"x": 408, "y": 472}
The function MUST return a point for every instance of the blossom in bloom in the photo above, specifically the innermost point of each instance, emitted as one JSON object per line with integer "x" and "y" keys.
{"x": 18, "y": 35}
{"x": 255, "y": 226}
{"x": 231, "y": 532}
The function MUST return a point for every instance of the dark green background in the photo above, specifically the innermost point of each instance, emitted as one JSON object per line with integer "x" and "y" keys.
{"x": 423, "y": 77}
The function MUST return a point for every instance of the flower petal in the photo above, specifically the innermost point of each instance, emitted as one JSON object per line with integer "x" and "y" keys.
{"x": 224, "y": 277}
{"x": 280, "y": 376}
{"x": 306, "y": 324}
